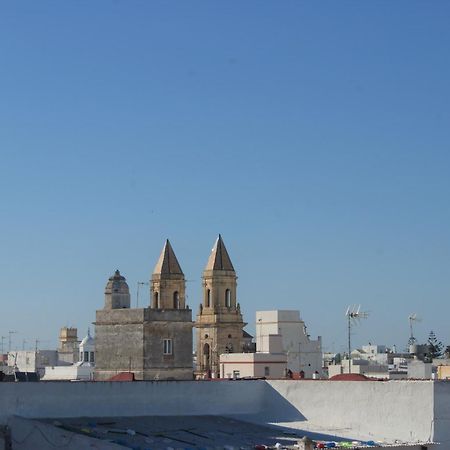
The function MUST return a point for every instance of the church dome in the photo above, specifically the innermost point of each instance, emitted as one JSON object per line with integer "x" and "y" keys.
{"x": 117, "y": 284}
{"x": 87, "y": 341}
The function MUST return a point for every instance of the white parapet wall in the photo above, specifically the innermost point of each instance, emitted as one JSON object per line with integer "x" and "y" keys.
{"x": 386, "y": 411}
{"x": 109, "y": 399}
{"x": 441, "y": 416}
{"x": 408, "y": 411}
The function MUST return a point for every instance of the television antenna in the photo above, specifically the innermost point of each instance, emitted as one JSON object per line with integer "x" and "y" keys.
{"x": 412, "y": 318}
{"x": 354, "y": 314}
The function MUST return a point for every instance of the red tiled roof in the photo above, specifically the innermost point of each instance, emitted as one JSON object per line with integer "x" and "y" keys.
{"x": 349, "y": 377}
{"x": 123, "y": 376}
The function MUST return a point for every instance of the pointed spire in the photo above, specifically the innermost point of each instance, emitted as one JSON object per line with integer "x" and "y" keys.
{"x": 219, "y": 258}
{"x": 167, "y": 263}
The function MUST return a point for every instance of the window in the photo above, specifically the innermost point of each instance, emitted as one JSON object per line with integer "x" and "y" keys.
{"x": 86, "y": 356}
{"x": 228, "y": 298}
{"x": 156, "y": 300}
{"x": 229, "y": 348}
{"x": 208, "y": 298}
{"x": 167, "y": 347}
{"x": 236, "y": 373}
{"x": 266, "y": 371}
{"x": 176, "y": 300}
{"x": 91, "y": 357}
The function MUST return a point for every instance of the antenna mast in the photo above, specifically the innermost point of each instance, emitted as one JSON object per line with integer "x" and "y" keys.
{"x": 353, "y": 315}
{"x": 412, "y": 318}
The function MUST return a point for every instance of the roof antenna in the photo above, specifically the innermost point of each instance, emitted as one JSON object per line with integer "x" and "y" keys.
{"x": 412, "y": 318}
{"x": 353, "y": 316}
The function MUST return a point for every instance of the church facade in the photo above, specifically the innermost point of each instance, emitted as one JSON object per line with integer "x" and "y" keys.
{"x": 154, "y": 343}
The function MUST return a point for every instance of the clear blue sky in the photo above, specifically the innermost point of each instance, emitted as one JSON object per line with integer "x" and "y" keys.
{"x": 313, "y": 136}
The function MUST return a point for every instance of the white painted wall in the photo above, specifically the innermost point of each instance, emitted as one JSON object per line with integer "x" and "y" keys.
{"x": 380, "y": 410}
{"x": 441, "y": 426}
{"x": 31, "y": 361}
{"x": 103, "y": 399}
{"x": 390, "y": 410}
{"x": 302, "y": 352}
{"x": 69, "y": 373}
{"x": 253, "y": 365}
{"x": 419, "y": 370}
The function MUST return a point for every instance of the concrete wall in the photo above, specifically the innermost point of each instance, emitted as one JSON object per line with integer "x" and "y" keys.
{"x": 441, "y": 425}
{"x": 371, "y": 410}
{"x": 393, "y": 410}
{"x": 108, "y": 399}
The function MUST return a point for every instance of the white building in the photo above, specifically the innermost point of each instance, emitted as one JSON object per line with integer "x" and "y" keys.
{"x": 81, "y": 370}
{"x": 32, "y": 361}
{"x": 87, "y": 349}
{"x": 303, "y": 354}
{"x": 374, "y": 353}
{"x": 269, "y": 364}
{"x": 419, "y": 370}
{"x": 75, "y": 372}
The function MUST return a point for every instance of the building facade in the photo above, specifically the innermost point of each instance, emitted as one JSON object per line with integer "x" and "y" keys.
{"x": 269, "y": 364}
{"x": 155, "y": 343}
{"x": 32, "y": 360}
{"x": 219, "y": 323}
{"x": 303, "y": 354}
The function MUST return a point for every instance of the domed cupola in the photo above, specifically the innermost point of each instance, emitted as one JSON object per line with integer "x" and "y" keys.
{"x": 117, "y": 292}
{"x": 87, "y": 349}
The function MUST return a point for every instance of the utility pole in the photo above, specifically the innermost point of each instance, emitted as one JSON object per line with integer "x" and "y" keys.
{"x": 36, "y": 343}
{"x": 24, "y": 341}
{"x": 10, "y": 333}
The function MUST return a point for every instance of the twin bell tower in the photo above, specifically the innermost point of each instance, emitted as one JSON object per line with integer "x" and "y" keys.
{"x": 155, "y": 342}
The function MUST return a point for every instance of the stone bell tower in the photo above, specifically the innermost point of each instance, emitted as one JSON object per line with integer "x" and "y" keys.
{"x": 153, "y": 342}
{"x": 219, "y": 321}
{"x": 167, "y": 284}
